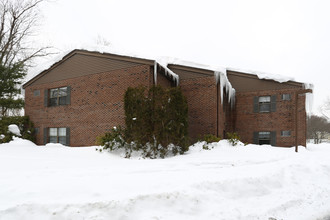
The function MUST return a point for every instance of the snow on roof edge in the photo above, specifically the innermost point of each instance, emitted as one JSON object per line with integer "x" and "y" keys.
{"x": 264, "y": 75}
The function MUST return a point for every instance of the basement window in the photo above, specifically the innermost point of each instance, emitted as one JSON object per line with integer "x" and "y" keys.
{"x": 286, "y": 97}
{"x": 58, "y": 135}
{"x": 36, "y": 93}
{"x": 285, "y": 133}
{"x": 264, "y": 137}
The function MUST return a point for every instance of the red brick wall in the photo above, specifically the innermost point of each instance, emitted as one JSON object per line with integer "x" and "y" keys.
{"x": 201, "y": 94}
{"x": 283, "y": 119}
{"x": 96, "y": 103}
{"x": 163, "y": 81}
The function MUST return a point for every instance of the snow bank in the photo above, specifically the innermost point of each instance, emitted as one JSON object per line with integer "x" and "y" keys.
{"x": 14, "y": 129}
{"x": 243, "y": 182}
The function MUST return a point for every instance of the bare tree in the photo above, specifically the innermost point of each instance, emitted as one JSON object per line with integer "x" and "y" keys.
{"x": 18, "y": 19}
{"x": 325, "y": 109}
{"x": 317, "y": 128}
{"x": 17, "y": 25}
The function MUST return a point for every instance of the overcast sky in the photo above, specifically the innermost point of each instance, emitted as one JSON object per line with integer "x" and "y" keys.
{"x": 286, "y": 37}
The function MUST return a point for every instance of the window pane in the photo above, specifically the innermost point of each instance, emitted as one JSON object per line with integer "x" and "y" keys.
{"x": 53, "y": 93}
{"x": 285, "y": 133}
{"x": 62, "y": 140}
{"x": 62, "y": 132}
{"x": 62, "y": 91}
{"x": 52, "y": 131}
{"x": 62, "y": 100}
{"x": 264, "y": 135}
{"x": 264, "y": 99}
{"x": 265, "y": 107}
{"x": 264, "y": 142}
{"x": 52, "y": 139}
{"x": 36, "y": 92}
{"x": 53, "y": 101}
{"x": 286, "y": 96}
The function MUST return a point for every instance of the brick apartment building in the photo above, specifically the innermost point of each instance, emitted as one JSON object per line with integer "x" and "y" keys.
{"x": 81, "y": 97}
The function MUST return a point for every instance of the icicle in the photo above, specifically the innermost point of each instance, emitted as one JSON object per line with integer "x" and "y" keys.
{"x": 169, "y": 72}
{"x": 224, "y": 83}
{"x": 309, "y": 98}
{"x": 155, "y": 72}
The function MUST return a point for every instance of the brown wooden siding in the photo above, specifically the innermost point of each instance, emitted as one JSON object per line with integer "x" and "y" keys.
{"x": 189, "y": 72}
{"x": 248, "y": 83}
{"x": 81, "y": 65}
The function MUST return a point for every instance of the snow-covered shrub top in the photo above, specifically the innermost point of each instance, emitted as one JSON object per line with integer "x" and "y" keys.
{"x": 14, "y": 129}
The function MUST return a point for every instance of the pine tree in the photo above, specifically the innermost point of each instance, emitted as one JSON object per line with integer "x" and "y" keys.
{"x": 18, "y": 19}
{"x": 10, "y": 80}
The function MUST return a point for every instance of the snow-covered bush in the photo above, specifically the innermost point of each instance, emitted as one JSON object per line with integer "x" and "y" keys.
{"x": 24, "y": 124}
{"x": 115, "y": 141}
{"x": 156, "y": 123}
{"x": 233, "y": 138}
{"x": 210, "y": 138}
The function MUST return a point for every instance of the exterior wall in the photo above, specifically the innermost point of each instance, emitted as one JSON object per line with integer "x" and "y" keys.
{"x": 282, "y": 119}
{"x": 201, "y": 94}
{"x": 98, "y": 83}
{"x": 96, "y": 103}
{"x": 163, "y": 81}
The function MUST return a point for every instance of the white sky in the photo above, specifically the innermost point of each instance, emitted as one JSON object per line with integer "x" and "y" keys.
{"x": 286, "y": 37}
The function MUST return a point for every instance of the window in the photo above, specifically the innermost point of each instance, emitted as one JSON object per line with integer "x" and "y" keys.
{"x": 286, "y": 97}
{"x": 36, "y": 92}
{"x": 58, "y": 135}
{"x": 58, "y": 96}
{"x": 264, "y": 137}
{"x": 286, "y": 133}
{"x": 264, "y": 104}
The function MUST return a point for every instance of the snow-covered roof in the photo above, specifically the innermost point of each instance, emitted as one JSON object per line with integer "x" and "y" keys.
{"x": 219, "y": 72}
{"x": 265, "y": 75}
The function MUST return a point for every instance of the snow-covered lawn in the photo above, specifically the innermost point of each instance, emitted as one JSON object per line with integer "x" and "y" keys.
{"x": 244, "y": 182}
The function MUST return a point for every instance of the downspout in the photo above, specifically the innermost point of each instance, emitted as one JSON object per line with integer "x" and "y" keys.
{"x": 218, "y": 91}
{"x": 296, "y": 115}
{"x": 155, "y": 73}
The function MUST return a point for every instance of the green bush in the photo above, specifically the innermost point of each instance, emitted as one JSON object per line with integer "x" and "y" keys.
{"x": 24, "y": 124}
{"x": 233, "y": 138}
{"x": 210, "y": 138}
{"x": 156, "y": 123}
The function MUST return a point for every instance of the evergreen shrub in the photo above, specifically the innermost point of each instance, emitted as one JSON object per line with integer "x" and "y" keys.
{"x": 24, "y": 124}
{"x": 210, "y": 138}
{"x": 233, "y": 138}
{"x": 156, "y": 123}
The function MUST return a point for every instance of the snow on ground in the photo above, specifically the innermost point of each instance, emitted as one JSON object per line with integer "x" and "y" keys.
{"x": 245, "y": 182}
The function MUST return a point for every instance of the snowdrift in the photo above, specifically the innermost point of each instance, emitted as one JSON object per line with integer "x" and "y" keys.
{"x": 225, "y": 182}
